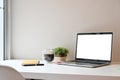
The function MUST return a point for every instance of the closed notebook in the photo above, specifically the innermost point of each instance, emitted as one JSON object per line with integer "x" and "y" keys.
{"x": 30, "y": 62}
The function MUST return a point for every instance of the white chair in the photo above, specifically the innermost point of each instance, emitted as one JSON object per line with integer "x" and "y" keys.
{"x": 8, "y": 73}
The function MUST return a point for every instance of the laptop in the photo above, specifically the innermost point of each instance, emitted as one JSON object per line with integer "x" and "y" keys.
{"x": 92, "y": 50}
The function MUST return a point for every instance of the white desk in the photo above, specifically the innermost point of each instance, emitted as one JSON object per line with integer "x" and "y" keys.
{"x": 62, "y": 72}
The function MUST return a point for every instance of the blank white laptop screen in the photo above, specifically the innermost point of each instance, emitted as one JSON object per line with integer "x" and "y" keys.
{"x": 94, "y": 46}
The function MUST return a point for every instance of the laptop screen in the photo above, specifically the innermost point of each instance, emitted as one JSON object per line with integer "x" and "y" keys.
{"x": 94, "y": 46}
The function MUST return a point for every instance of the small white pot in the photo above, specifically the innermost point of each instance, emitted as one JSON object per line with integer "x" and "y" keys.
{"x": 59, "y": 59}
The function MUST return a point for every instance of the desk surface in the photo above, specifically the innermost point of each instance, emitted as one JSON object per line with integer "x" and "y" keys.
{"x": 50, "y": 71}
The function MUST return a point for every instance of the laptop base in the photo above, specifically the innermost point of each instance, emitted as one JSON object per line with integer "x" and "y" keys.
{"x": 82, "y": 64}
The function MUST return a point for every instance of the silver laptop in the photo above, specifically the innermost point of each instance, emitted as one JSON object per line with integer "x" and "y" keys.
{"x": 92, "y": 50}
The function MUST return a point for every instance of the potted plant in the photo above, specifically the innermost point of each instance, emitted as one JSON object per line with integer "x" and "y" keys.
{"x": 60, "y": 54}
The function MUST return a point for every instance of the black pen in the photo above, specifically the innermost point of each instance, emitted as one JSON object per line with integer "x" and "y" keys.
{"x": 33, "y": 65}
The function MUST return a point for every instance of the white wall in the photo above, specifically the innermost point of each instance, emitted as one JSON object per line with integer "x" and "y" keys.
{"x": 41, "y": 24}
{"x": 1, "y": 30}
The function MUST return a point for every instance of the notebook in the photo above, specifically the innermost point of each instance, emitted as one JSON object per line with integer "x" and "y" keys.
{"x": 92, "y": 50}
{"x": 30, "y": 62}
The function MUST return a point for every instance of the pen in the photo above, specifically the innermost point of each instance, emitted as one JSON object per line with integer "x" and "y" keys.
{"x": 33, "y": 65}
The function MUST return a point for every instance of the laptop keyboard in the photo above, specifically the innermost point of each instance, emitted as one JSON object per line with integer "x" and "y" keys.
{"x": 86, "y": 63}
{"x": 80, "y": 63}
